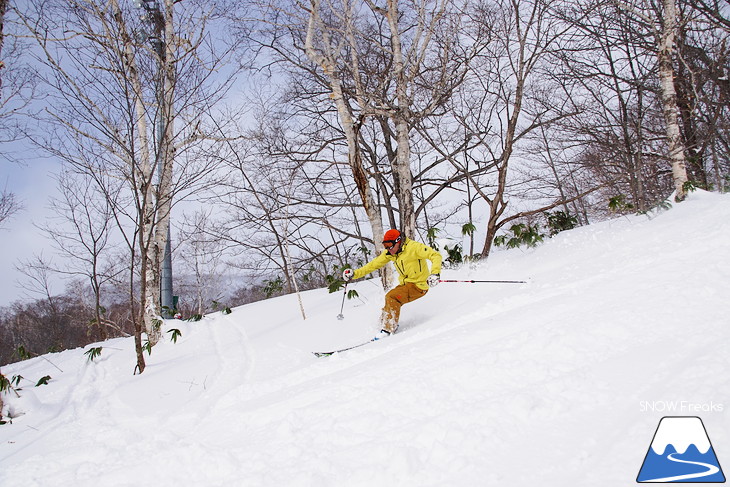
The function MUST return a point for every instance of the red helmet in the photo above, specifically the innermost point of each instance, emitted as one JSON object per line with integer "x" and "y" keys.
{"x": 392, "y": 237}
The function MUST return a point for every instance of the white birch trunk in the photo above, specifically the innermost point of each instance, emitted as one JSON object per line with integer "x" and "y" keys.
{"x": 163, "y": 196}
{"x": 402, "y": 166}
{"x": 141, "y": 171}
{"x": 348, "y": 124}
{"x": 669, "y": 99}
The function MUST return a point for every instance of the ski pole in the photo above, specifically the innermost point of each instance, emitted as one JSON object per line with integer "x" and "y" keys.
{"x": 344, "y": 295}
{"x": 473, "y": 281}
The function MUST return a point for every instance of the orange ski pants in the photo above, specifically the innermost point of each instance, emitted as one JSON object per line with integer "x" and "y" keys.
{"x": 397, "y": 297}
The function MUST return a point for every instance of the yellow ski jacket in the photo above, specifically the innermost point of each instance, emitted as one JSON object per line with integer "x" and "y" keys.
{"x": 410, "y": 263}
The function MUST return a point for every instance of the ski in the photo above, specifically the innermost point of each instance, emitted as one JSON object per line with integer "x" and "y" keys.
{"x": 327, "y": 354}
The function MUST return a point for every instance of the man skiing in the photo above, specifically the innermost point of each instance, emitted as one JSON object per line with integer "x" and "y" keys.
{"x": 409, "y": 258}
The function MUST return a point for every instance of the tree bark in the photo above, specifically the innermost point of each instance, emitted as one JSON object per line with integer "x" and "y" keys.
{"x": 669, "y": 99}
{"x": 402, "y": 167}
{"x": 350, "y": 127}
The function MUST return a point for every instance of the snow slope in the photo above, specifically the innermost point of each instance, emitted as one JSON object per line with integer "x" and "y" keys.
{"x": 560, "y": 381}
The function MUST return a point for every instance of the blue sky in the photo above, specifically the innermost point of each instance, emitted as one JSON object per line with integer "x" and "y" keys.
{"x": 33, "y": 184}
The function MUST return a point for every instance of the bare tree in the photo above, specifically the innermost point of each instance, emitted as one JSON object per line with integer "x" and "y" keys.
{"x": 81, "y": 234}
{"x": 716, "y": 11}
{"x": 703, "y": 90}
{"x": 398, "y": 62}
{"x": 38, "y": 272}
{"x": 17, "y": 80}
{"x": 667, "y": 46}
{"x": 661, "y": 23}
{"x": 506, "y": 102}
{"x": 133, "y": 109}
{"x": 3, "y": 9}
{"x": 323, "y": 50}
{"x": 568, "y": 177}
{"x": 609, "y": 78}
{"x": 274, "y": 211}
{"x": 17, "y": 84}
{"x": 9, "y": 205}
{"x": 203, "y": 252}
{"x": 370, "y": 71}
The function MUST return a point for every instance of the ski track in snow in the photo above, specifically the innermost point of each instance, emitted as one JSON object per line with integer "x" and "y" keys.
{"x": 711, "y": 470}
{"x": 530, "y": 384}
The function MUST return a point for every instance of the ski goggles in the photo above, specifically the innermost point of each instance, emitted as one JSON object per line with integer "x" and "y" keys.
{"x": 388, "y": 244}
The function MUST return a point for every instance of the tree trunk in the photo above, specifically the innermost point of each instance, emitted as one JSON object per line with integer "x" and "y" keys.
{"x": 686, "y": 102}
{"x": 497, "y": 206}
{"x": 3, "y": 9}
{"x": 402, "y": 174}
{"x": 402, "y": 169}
{"x": 349, "y": 126}
{"x": 136, "y": 320}
{"x": 166, "y": 155}
{"x": 669, "y": 99}
{"x": 141, "y": 172}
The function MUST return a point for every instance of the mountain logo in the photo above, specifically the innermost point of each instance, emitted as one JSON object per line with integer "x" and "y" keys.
{"x": 681, "y": 452}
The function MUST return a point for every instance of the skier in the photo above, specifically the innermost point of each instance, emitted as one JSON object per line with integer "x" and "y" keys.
{"x": 409, "y": 258}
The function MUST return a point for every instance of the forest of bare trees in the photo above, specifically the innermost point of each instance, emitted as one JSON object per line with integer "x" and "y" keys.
{"x": 277, "y": 139}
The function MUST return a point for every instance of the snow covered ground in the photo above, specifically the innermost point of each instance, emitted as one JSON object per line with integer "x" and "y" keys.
{"x": 560, "y": 381}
